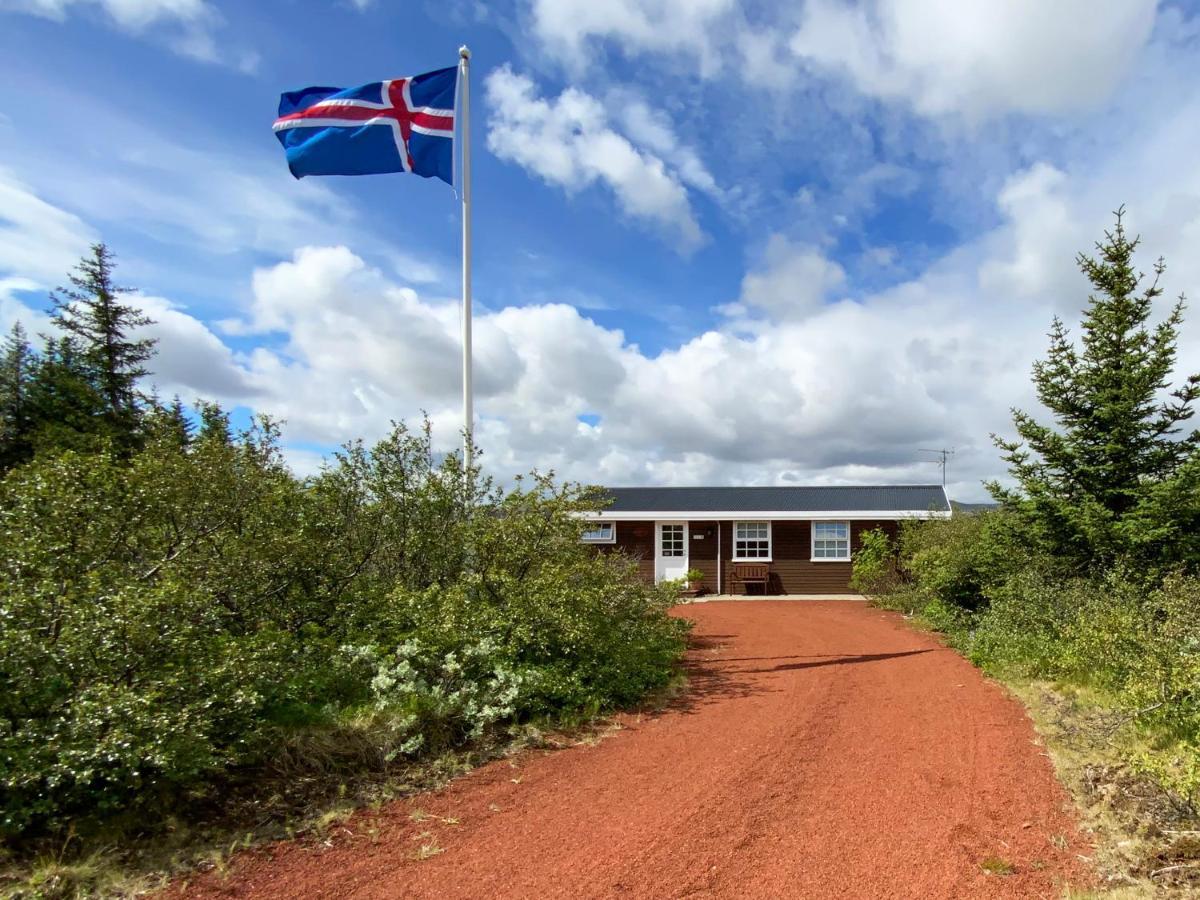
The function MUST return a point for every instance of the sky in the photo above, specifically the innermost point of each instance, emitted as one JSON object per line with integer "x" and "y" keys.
{"x": 714, "y": 243}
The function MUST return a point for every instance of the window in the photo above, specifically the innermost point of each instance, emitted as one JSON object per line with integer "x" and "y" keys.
{"x": 831, "y": 540}
{"x": 600, "y": 533}
{"x": 671, "y": 539}
{"x": 751, "y": 540}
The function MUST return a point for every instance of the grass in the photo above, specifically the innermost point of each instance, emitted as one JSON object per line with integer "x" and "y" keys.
{"x": 308, "y": 794}
{"x": 1147, "y": 844}
{"x": 318, "y": 780}
{"x": 1147, "y": 840}
{"x": 297, "y": 802}
{"x": 430, "y": 849}
{"x": 994, "y": 865}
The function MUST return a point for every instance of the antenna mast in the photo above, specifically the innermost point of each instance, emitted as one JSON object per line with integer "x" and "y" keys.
{"x": 943, "y": 455}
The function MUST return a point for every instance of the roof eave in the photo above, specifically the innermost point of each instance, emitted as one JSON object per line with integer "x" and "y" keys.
{"x": 776, "y": 515}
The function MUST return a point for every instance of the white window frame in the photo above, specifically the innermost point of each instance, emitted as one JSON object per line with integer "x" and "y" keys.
{"x": 752, "y": 559}
{"x": 812, "y": 547}
{"x": 600, "y": 527}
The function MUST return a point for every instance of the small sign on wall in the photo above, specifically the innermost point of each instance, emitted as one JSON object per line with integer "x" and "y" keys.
{"x": 697, "y": 537}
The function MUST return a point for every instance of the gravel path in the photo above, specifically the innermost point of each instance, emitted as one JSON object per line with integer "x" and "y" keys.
{"x": 823, "y": 749}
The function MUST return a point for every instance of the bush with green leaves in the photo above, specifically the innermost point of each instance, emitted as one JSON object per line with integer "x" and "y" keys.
{"x": 171, "y": 616}
{"x": 943, "y": 569}
{"x": 1134, "y": 645}
{"x": 876, "y": 568}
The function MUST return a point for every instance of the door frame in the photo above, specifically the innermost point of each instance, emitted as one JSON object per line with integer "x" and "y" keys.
{"x": 659, "y": 558}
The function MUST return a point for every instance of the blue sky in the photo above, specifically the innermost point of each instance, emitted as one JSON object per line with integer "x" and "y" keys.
{"x": 714, "y": 242}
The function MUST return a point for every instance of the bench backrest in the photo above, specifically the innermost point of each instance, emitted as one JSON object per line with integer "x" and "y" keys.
{"x": 750, "y": 571}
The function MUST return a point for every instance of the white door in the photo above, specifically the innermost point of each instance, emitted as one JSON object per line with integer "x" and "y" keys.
{"x": 670, "y": 550}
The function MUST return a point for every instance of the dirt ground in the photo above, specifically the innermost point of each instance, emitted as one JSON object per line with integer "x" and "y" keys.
{"x": 822, "y": 749}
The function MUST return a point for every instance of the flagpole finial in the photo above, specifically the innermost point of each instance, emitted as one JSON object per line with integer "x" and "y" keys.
{"x": 464, "y": 52}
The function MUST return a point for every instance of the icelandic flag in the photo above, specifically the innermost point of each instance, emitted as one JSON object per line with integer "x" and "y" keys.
{"x": 402, "y": 125}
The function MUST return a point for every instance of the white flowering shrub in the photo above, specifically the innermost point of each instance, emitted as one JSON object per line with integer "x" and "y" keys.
{"x": 441, "y": 698}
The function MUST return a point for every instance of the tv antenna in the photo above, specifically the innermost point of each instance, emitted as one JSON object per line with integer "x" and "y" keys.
{"x": 943, "y": 457}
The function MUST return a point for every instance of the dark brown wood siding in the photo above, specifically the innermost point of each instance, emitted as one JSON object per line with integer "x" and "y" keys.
{"x": 792, "y": 570}
{"x": 702, "y": 552}
{"x": 635, "y": 540}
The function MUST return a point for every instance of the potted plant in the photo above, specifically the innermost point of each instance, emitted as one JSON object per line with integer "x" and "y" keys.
{"x": 693, "y": 581}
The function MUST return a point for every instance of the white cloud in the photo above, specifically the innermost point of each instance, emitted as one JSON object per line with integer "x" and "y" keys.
{"x": 793, "y": 281}
{"x": 566, "y": 28}
{"x": 847, "y": 393}
{"x": 190, "y": 360}
{"x": 651, "y": 129}
{"x": 187, "y": 25}
{"x": 37, "y": 240}
{"x": 829, "y": 393}
{"x": 1047, "y": 231}
{"x": 977, "y": 59}
{"x": 764, "y": 58}
{"x": 568, "y": 141}
{"x": 133, "y": 15}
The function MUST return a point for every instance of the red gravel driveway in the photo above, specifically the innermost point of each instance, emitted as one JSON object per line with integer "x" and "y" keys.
{"x": 822, "y": 749}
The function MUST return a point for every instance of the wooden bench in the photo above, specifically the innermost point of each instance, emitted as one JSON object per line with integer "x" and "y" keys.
{"x": 751, "y": 573}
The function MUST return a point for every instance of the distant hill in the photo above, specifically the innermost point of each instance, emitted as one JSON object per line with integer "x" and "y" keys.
{"x": 960, "y": 507}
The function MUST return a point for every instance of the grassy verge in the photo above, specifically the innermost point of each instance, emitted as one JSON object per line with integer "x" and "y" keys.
{"x": 300, "y": 803}
{"x": 305, "y": 796}
{"x": 1147, "y": 845}
{"x": 1147, "y": 841}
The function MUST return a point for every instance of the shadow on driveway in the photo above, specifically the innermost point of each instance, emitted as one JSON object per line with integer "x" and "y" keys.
{"x": 844, "y": 660}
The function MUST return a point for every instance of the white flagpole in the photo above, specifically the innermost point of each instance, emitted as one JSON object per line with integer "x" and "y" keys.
{"x": 464, "y": 101}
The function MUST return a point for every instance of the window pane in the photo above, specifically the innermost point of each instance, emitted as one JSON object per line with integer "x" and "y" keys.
{"x": 671, "y": 540}
{"x": 752, "y": 540}
{"x": 831, "y": 540}
{"x": 600, "y": 533}
{"x": 752, "y": 530}
{"x": 831, "y": 531}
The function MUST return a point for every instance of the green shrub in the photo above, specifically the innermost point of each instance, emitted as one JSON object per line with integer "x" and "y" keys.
{"x": 941, "y": 569}
{"x": 173, "y": 617}
{"x": 1165, "y": 675}
{"x": 958, "y": 561}
{"x": 1134, "y": 643}
{"x": 876, "y": 566}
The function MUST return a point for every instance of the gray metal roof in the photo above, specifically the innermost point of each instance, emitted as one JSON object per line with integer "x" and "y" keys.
{"x": 816, "y": 499}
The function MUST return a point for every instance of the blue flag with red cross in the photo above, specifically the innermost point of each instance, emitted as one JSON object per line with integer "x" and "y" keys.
{"x": 401, "y": 125}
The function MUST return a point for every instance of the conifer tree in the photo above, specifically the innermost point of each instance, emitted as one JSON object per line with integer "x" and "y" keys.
{"x": 1115, "y": 477}
{"x": 90, "y": 311}
{"x": 169, "y": 421}
{"x": 18, "y": 364}
{"x": 67, "y": 410}
{"x": 214, "y": 424}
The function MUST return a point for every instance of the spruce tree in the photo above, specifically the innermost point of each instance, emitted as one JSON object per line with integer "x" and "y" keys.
{"x": 91, "y": 312}
{"x": 169, "y": 421}
{"x": 214, "y": 424}
{"x": 1115, "y": 477}
{"x": 18, "y": 364}
{"x": 67, "y": 410}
